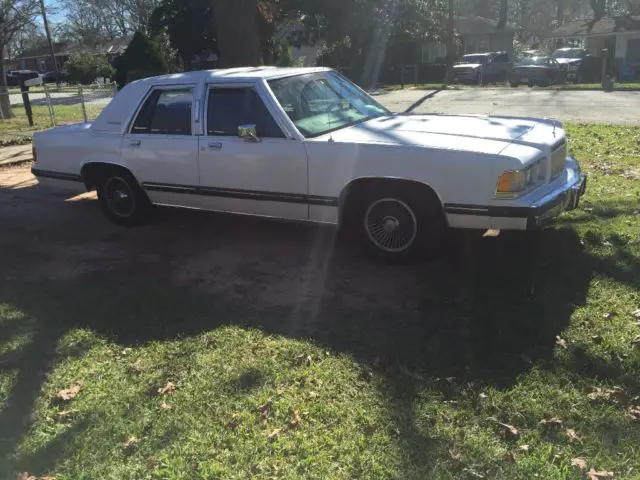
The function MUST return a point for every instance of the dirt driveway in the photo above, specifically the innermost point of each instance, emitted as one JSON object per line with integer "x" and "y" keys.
{"x": 49, "y": 236}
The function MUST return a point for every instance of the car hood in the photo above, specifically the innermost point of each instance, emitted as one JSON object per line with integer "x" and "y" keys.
{"x": 568, "y": 61}
{"x": 467, "y": 65}
{"x": 478, "y": 134}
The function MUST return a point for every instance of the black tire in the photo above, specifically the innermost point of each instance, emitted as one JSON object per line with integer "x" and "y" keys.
{"x": 396, "y": 222}
{"x": 122, "y": 199}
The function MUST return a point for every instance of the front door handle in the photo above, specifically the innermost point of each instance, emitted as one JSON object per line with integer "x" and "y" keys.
{"x": 215, "y": 146}
{"x": 135, "y": 143}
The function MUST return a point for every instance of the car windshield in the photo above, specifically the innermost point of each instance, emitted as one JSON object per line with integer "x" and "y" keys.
{"x": 474, "y": 59}
{"x": 533, "y": 61}
{"x": 320, "y": 103}
{"x": 573, "y": 53}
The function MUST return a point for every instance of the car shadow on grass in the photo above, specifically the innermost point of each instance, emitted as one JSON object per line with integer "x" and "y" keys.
{"x": 483, "y": 313}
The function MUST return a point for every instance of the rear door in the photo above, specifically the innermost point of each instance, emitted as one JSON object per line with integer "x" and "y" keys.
{"x": 161, "y": 148}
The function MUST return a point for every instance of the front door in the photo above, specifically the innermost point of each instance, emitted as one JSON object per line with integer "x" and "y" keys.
{"x": 264, "y": 177}
{"x": 161, "y": 148}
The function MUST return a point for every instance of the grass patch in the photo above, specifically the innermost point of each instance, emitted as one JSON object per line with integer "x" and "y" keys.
{"x": 534, "y": 333}
{"x": 17, "y": 130}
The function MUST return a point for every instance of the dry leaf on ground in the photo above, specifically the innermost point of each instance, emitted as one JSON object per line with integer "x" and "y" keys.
{"x": 164, "y": 406}
{"x": 509, "y": 457}
{"x": 167, "y": 390}
{"x": 594, "y": 475}
{"x": 130, "y": 444}
{"x": 524, "y": 448}
{"x": 553, "y": 422}
{"x": 636, "y": 314}
{"x": 26, "y": 476}
{"x": 69, "y": 393}
{"x": 561, "y": 342}
{"x": 66, "y": 413}
{"x": 581, "y": 463}
{"x": 275, "y": 434}
{"x": 509, "y": 430}
{"x": 295, "y": 420}
{"x": 634, "y": 412}
{"x": 572, "y": 435}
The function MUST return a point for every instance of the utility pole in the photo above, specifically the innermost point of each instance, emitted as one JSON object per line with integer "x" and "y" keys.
{"x": 48, "y": 32}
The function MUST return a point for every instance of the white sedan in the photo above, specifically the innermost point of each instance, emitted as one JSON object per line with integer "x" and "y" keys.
{"x": 309, "y": 145}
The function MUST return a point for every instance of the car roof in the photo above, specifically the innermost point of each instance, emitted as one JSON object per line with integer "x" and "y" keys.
{"x": 243, "y": 74}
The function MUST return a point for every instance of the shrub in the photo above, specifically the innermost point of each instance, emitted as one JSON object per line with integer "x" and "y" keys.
{"x": 143, "y": 58}
{"x": 84, "y": 67}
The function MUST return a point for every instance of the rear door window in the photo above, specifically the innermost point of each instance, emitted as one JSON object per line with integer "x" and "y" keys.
{"x": 166, "y": 112}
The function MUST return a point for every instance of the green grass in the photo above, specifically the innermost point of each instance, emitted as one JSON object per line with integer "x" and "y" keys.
{"x": 18, "y": 131}
{"x": 513, "y": 330}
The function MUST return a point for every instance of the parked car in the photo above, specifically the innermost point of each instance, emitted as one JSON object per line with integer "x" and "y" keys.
{"x": 30, "y": 77}
{"x": 532, "y": 71}
{"x": 532, "y": 53}
{"x": 482, "y": 68}
{"x": 53, "y": 77}
{"x": 578, "y": 64}
{"x": 308, "y": 145}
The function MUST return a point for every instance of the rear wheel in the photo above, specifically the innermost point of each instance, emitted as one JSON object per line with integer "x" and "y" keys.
{"x": 122, "y": 199}
{"x": 397, "y": 222}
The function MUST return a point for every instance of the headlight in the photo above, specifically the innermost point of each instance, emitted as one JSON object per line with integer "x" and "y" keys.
{"x": 516, "y": 181}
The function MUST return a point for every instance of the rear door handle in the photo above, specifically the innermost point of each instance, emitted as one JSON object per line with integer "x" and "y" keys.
{"x": 135, "y": 143}
{"x": 215, "y": 146}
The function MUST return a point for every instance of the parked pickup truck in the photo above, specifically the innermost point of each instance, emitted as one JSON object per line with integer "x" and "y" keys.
{"x": 309, "y": 145}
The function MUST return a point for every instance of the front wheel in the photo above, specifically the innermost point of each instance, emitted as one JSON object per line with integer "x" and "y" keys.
{"x": 397, "y": 224}
{"x": 122, "y": 199}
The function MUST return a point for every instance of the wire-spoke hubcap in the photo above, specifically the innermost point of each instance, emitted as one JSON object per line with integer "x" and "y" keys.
{"x": 119, "y": 198}
{"x": 391, "y": 225}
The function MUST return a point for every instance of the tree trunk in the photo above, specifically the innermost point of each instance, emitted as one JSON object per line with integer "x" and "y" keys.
{"x": 504, "y": 13}
{"x": 599, "y": 8}
{"x": 238, "y": 33}
{"x": 5, "y": 104}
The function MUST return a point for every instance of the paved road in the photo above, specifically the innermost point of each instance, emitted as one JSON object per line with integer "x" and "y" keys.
{"x": 588, "y": 106}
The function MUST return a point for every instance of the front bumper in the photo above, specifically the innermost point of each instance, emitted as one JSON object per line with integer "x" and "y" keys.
{"x": 531, "y": 211}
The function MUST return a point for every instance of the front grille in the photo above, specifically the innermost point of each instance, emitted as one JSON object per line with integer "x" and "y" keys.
{"x": 558, "y": 158}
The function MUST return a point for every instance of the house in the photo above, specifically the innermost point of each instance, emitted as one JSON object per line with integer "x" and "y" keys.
{"x": 39, "y": 59}
{"x": 474, "y": 35}
{"x": 620, "y": 35}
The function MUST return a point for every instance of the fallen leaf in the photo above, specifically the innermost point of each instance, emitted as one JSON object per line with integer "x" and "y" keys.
{"x": 234, "y": 422}
{"x": 295, "y": 421}
{"x": 606, "y": 394}
{"x": 562, "y": 343}
{"x": 275, "y": 434}
{"x": 552, "y": 422}
{"x": 26, "y": 476}
{"x": 596, "y": 339}
{"x": 572, "y": 435}
{"x": 524, "y": 448}
{"x": 305, "y": 359}
{"x": 483, "y": 395}
{"x": 608, "y": 315}
{"x": 455, "y": 455}
{"x": 168, "y": 390}
{"x": 46, "y": 478}
{"x": 130, "y": 444}
{"x": 593, "y": 475}
{"x": 636, "y": 340}
{"x": 472, "y": 473}
{"x": 509, "y": 457}
{"x": 634, "y": 413}
{"x": 66, "y": 413}
{"x": 581, "y": 463}
{"x": 509, "y": 430}
{"x": 69, "y": 393}
{"x": 164, "y": 406}
{"x": 636, "y": 314}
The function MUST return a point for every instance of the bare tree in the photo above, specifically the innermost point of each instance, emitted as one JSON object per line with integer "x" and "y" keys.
{"x": 14, "y": 16}
{"x": 93, "y": 22}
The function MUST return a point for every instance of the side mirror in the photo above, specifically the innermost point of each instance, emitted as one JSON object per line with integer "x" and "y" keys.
{"x": 249, "y": 133}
